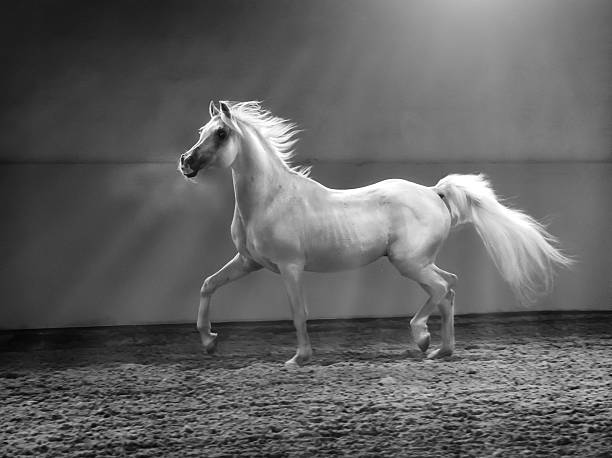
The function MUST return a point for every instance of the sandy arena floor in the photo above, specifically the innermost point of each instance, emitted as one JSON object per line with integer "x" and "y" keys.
{"x": 518, "y": 385}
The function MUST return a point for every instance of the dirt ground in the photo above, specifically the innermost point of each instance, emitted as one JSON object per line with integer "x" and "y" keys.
{"x": 518, "y": 385}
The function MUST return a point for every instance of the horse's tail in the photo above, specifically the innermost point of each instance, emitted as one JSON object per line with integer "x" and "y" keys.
{"x": 521, "y": 248}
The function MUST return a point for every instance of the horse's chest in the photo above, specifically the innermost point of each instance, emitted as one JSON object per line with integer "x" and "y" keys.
{"x": 239, "y": 237}
{"x": 250, "y": 241}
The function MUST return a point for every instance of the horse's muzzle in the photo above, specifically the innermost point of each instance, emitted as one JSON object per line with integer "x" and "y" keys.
{"x": 186, "y": 166}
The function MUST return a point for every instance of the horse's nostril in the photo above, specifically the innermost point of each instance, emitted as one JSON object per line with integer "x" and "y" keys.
{"x": 188, "y": 160}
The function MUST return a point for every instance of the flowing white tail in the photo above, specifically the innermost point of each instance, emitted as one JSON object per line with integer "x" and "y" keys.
{"x": 521, "y": 248}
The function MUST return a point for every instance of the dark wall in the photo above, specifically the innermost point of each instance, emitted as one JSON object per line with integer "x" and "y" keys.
{"x": 99, "y": 99}
{"x": 131, "y": 243}
{"x": 368, "y": 80}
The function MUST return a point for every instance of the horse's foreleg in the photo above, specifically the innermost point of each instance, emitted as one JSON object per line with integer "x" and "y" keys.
{"x": 237, "y": 268}
{"x": 292, "y": 276}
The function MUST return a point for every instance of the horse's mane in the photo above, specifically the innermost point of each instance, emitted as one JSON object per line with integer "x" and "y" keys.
{"x": 278, "y": 132}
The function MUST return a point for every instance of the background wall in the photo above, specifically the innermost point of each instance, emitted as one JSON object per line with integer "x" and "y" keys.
{"x": 100, "y": 98}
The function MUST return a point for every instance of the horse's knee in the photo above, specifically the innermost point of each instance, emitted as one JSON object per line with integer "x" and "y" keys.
{"x": 208, "y": 287}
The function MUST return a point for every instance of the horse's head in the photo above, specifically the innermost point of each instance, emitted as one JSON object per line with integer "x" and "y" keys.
{"x": 217, "y": 146}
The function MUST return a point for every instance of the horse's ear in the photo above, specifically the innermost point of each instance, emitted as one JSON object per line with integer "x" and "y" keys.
{"x": 225, "y": 109}
{"x": 212, "y": 109}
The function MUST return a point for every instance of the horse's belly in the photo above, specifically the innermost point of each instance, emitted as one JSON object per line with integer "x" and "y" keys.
{"x": 347, "y": 246}
{"x": 336, "y": 261}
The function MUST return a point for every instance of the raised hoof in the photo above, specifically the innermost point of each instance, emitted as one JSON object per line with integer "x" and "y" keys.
{"x": 211, "y": 345}
{"x": 423, "y": 342}
{"x": 440, "y": 353}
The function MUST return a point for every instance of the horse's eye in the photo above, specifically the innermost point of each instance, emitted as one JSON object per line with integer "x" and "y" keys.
{"x": 221, "y": 133}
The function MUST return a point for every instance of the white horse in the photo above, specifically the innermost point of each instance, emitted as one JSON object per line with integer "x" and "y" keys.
{"x": 288, "y": 223}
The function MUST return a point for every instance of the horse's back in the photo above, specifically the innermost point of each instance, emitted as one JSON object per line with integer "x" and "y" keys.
{"x": 400, "y": 198}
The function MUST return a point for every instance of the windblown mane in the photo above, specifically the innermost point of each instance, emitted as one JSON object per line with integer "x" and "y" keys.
{"x": 279, "y": 133}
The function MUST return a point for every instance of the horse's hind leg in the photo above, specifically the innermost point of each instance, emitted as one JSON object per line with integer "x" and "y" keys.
{"x": 447, "y": 312}
{"x": 437, "y": 283}
{"x": 236, "y": 268}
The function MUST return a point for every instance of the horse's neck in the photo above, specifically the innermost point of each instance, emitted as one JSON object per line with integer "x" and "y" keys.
{"x": 258, "y": 175}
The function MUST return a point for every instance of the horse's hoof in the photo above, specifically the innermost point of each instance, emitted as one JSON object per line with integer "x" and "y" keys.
{"x": 423, "y": 342}
{"x": 297, "y": 361}
{"x": 291, "y": 364}
{"x": 440, "y": 353}
{"x": 211, "y": 348}
{"x": 211, "y": 345}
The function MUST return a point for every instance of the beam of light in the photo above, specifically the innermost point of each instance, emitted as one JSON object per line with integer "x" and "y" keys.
{"x": 157, "y": 209}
